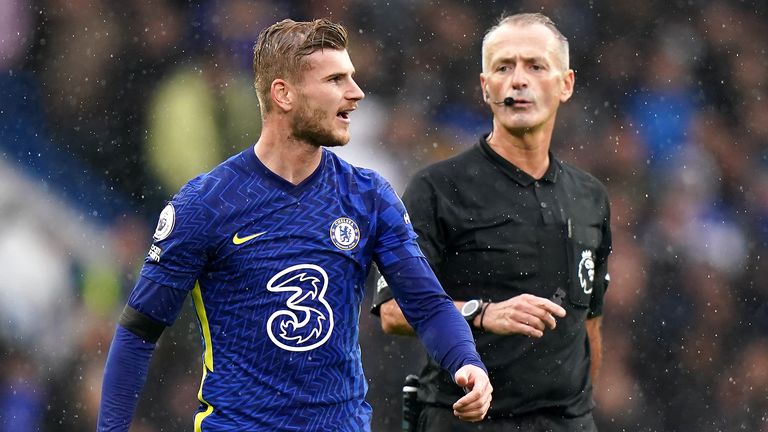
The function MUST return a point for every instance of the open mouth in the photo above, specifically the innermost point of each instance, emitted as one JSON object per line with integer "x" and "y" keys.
{"x": 343, "y": 115}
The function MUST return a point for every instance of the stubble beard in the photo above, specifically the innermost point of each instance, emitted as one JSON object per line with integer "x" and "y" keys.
{"x": 308, "y": 126}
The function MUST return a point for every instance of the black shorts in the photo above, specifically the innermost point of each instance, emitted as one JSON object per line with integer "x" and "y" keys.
{"x": 436, "y": 419}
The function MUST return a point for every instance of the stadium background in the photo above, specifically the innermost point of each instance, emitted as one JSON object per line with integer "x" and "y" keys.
{"x": 107, "y": 107}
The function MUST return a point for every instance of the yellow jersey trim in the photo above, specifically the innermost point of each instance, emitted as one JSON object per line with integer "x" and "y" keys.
{"x": 199, "y": 417}
{"x": 197, "y": 299}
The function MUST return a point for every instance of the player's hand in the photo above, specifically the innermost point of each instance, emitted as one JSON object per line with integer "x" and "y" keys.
{"x": 524, "y": 314}
{"x": 473, "y": 406}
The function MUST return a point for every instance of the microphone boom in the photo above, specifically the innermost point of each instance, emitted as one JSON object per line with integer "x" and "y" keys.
{"x": 508, "y": 101}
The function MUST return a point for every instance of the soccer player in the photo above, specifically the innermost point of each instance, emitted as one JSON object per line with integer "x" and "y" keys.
{"x": 279, "y": 239}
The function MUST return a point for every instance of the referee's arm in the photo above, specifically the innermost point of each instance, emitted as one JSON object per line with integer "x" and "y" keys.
{"x": 525, "y": 314}
{"x": 594, "y": 333}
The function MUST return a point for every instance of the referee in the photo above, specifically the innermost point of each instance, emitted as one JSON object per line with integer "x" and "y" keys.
{"x": 520, "y": 241}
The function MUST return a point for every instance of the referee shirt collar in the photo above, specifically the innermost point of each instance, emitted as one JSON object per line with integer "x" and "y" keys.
{"x": 518, "y": 175}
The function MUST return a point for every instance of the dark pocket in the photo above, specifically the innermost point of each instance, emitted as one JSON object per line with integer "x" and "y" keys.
{"x": 582, "y": 243}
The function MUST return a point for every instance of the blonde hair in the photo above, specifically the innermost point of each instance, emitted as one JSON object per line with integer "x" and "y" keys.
{"x": 280, "y": 52}
{"x": 525, "y": 19}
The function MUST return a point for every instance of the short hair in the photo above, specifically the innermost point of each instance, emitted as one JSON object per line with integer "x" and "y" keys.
{"x": 524, "y": 19}
{"x": 282, "y": 48}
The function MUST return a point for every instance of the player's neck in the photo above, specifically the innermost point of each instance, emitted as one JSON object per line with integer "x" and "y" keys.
{"x": 291, "y": 159}
{"x": 528, "y": 151}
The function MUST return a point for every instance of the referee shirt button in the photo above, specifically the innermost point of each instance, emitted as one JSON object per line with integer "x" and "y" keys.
{"x": 543, "y": 205}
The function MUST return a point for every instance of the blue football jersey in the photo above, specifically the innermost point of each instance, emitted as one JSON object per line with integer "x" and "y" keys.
{"x": 280, "y": 271}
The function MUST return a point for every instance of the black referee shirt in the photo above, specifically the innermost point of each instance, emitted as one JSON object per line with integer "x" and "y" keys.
{"x": 491, "y": 231}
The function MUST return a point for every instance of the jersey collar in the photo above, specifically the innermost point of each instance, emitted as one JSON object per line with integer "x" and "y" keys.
{"x": 518, "y": 175}
{"x": 281, "y": 183}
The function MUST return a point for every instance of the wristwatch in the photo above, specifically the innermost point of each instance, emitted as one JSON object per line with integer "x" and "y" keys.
{"x": 471, "y": 309}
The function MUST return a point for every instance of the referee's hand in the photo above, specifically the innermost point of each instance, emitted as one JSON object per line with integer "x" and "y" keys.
{"x": 524, "y": 314}
{"x": 473, "y": 406}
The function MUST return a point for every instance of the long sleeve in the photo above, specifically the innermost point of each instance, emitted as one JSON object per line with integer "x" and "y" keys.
{"x": 124, "y": 376}
{"x": 430, "y": 311}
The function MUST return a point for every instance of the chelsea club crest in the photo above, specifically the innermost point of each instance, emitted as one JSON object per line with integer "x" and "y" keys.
{"x": 344, "y": 233}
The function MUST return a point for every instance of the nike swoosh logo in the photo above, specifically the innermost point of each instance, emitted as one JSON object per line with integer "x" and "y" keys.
{"x": 240, "y": 240}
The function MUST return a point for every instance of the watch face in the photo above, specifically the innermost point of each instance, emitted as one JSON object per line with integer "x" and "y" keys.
{"x": 470, "y": 308}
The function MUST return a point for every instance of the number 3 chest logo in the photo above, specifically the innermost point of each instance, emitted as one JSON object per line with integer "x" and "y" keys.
{"x": 307, "y": 321}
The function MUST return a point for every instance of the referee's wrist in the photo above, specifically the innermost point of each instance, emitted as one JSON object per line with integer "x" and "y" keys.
{"x": 478, "y": 321}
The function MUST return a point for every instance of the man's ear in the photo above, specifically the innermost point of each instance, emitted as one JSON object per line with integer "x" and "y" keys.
{"x": 566, "y": 91}
{"x": 484, "y": 88}
{"x": 282, "y": 94}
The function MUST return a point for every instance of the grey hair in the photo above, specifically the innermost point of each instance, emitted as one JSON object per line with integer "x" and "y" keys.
{"x": 524, "y": 19}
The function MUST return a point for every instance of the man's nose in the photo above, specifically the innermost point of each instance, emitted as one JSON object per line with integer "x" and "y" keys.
{"x": 356, "y": 93}
{"x": 519, "y": 77}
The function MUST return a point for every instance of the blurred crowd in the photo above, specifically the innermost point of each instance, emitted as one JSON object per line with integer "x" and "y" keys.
{"x": 107, "y": 107}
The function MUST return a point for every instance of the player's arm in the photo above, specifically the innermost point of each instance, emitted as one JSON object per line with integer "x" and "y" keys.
{"x": 169, "y": 272}
{"x": 386, "y": 308}
{"x": 441, "y": 329}
{"x": 430, "y": 312}
{"x": 420, "y": 198}
{"x": 150, "y": 309}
